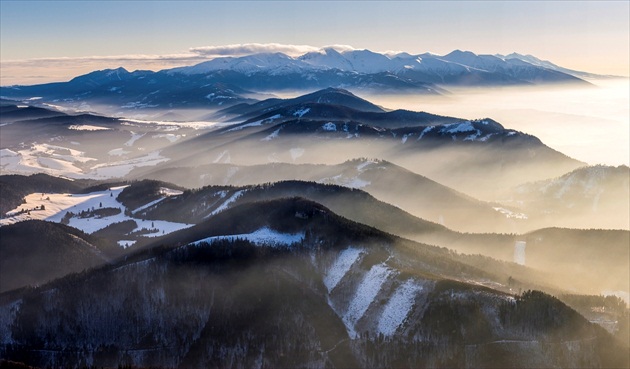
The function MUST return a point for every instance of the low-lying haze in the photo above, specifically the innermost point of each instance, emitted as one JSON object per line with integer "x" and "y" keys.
{"x": 588, "y": 124}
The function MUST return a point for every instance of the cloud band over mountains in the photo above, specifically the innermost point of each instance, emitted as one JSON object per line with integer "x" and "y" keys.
{"x": 41, "y": 70}
{"x": 255, "y": 48}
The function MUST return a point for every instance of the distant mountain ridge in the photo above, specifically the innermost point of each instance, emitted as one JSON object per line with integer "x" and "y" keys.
{"x": 227, "y": 81}
{"x": 513, "y": 68}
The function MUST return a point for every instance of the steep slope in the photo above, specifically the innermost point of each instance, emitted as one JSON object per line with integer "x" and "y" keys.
{"x": 336, "y": 111}
{"x": 530, "y": 59}
{"x": 194, "y": 206}
{"x": 328, "y": 299}
{"x": 144, "y": 211}
{"x": 588, "y": 197}
{"x": 507, "y": 159}
{"x": 328, "y": 96}
{"x": 35, "y": 252}
{"x": 387, "y": 182}
{"x": 450, "y": 150}
{"x": 453, "y": 151}
{"x": 384, "y": 180}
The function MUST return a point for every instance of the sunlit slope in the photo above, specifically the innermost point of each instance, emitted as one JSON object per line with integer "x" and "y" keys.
{"x": 588, "y": 197}
{"x": 346, "y": 288}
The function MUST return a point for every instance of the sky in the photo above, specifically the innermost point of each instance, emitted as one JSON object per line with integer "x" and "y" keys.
{"x": 44, "y": 41}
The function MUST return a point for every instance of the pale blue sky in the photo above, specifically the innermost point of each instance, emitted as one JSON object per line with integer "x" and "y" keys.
{"x": 592, "y": 36}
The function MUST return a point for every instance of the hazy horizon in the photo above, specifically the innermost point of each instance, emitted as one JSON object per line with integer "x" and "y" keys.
{"x": 51, "y": 41}
{"x": 587, "y": 124}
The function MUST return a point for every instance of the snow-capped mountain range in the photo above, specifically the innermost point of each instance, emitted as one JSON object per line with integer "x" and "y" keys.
{"x": 369, "y": 62}
{"x": 227, "y": 81}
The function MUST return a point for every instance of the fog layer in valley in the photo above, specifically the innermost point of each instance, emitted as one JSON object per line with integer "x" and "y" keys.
{"x": 588, "y": 124}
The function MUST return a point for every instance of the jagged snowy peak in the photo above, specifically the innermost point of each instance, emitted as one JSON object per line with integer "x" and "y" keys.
{"x": 275, "y": 63}
{"x": 357, "y": 61}
{"x": 530, "y": 59}
{"x": 520, "y": 59}
{"x": 327, "y": 58}
{"x": 438, "y": 66}
{"x": 366, "y": 61}
{"x": 488, "y": 63}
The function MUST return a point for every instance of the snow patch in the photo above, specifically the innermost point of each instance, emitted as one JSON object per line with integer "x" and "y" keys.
{"x": 519, "y": 252}
{"x": 87, "y": 127}
{"x": 172, "y": 125}
{"x": 169, "y": 136}
{"x": 122, "y": 168}
{"x": 300, "y": 113}
{"x": 262, "y": 237}
{"x": 341, "y": 266}
{"x": 330, "y": 127}
{"x": 458, "y": 128}
{"x": 510, "y": 214}
{"x": 226, "y": 203}
{"x": 398, "y": 307}
{"x": 424, "y": 131}
{"x": 273, "y": 135}
{"x": 256, "y": 123}
{"x": 223, "y": 157}
{"x": 296, "y": 152}
{"x": 125, "y": 243}
{"x": 361, "y": 167}
{"x": 118, "y": 152}
{"x": 365, "y": 295}
{"x": 134, "y": 137}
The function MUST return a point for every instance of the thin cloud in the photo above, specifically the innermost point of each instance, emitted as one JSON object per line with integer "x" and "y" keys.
{"x": 247, "y": 49}
{"x": 133, "y": 57}
{"x": 53, "y": 69}
{"x": 255, "y": 48}
{"x": 340, "y": 48}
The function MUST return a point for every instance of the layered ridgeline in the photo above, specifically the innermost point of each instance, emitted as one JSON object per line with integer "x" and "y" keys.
{"x": 476, "y": 157}
{"x": 288, "y": 283}
{"x": 232, "y": 80}
{"x": 215, "y": 242}
{"x": 449, "y": 162}
{"x": 589, "y": 197}
{"x": 133, "y": 216}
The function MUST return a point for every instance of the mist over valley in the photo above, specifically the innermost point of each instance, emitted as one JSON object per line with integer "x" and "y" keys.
{"x": 338, "y": 208}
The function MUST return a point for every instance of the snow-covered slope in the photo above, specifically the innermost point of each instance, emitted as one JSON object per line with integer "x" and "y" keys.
{"x": 275, "y": 63}
{"x": 92, "y": 212}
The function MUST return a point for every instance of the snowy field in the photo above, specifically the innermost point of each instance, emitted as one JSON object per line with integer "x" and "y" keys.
{"x": 54, "y": 206}
{"x": 261, "y": 237}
